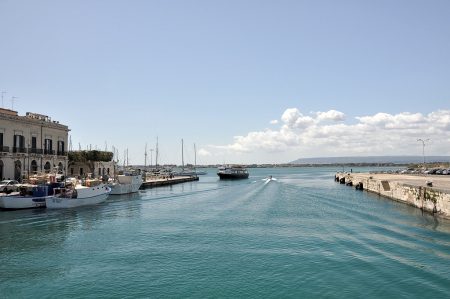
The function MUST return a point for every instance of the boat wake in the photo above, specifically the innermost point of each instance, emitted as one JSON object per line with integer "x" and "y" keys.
{"x": 268, "y": 180}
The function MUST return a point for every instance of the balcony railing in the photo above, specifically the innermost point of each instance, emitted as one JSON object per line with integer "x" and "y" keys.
{"x": 4, "y": 149}
{"x": 37, "y": 151}
{"x": 61, "y": 153}
{"x": 19, "y": 150}
{"x": 49, "y": 152}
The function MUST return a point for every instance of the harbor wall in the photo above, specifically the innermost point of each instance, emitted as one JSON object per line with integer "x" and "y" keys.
{"x": 427, "y": 198}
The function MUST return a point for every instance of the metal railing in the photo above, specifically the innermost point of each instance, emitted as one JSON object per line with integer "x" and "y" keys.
{"x": 33, "y": 150}
{"x": 4, "y": 149}
{"x": 49, "y": 152}
{"x": 21, "y": 150}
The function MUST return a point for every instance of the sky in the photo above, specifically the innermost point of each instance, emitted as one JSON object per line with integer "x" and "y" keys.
{"x": 245, "y": 81}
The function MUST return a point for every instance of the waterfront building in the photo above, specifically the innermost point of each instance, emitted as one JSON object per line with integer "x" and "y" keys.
{"x": 91, "y": 163}
{"x": 31, "y": 144}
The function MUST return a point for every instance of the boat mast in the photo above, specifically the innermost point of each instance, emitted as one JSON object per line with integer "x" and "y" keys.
{"x": 157, "y": 153}
{"x": 145, "y": 154}
{"x": 182, "y": 154}
{"x": 195, "y": 157}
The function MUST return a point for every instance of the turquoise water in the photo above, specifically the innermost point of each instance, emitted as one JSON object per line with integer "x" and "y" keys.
{"x": 302, "y": 236}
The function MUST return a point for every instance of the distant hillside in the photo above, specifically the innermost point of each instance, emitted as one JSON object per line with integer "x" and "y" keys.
{"x": 372, "y": 159}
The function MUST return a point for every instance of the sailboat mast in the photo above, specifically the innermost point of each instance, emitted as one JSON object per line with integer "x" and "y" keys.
{"x": 195, "y": 157}
{"x": 182, "y": 154}
{"x": 157, "y": 153}
{"x": 145, "y": 154}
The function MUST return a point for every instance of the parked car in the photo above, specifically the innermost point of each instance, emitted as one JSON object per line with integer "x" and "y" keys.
{"x": 8, "y": 185}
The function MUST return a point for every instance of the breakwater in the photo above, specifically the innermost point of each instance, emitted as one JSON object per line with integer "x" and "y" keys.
{"x": 429, "y": 193}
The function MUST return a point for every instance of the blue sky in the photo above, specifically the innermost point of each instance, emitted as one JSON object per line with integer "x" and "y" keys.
{"x": 293, "y": 79}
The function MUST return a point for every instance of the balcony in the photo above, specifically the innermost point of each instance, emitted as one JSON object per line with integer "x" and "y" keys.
{"x": 4, "y": 149}
{"x": 20, "y": 150}
{"x": 49, "y": 152}
{"x": 61, "y": 153}
{"x": 37, "y": 151}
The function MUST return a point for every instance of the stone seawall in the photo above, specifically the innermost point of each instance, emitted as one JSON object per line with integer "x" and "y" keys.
{"x": 431, "y": 194}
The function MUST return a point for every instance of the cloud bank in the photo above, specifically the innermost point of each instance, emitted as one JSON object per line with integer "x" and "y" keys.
{"x": 329, "y": 133}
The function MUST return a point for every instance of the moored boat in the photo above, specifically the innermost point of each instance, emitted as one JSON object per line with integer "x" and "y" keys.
{"x": 233, "y": 173}
{"x": 126, "y": 183}
{"x": 72, "y": 197}
{"x": 28, "y": 197}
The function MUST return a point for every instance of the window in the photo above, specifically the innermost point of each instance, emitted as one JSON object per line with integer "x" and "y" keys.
{"x": 99, "y": 171}
{"x": 19, "y": 144}
{"x": 1, "y": 140}
{"x": 33, "y": 142}
{"x": 81, "y": 171}
{"x": 60, "y": 147}
{"x": 48, "y": 146}
{"x": 34, "y": 166}
{"x": 71, "y": 171}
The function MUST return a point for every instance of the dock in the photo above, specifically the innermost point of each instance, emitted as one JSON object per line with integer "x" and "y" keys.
{"x": 431, "y": 193}
{"x": 158, "y": 182}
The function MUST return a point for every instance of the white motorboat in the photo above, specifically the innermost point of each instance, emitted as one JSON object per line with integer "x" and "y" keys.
{"x": 269, "y": 179}
{"x": 126, "y": 183}
{"x": 29, "y": 197}
{"x": 78, "y": 196}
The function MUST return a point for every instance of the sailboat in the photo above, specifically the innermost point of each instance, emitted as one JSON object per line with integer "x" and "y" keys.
{"x": 188, "y": 171}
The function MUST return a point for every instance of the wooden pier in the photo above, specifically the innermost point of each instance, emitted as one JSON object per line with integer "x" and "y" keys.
{"x": 151, "y": 183}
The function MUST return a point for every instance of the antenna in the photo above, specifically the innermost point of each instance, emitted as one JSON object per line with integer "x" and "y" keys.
{"x": 70, "y": 143}
{"x": 3, "y": 93}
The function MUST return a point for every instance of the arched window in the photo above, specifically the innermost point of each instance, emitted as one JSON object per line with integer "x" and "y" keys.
{"x": 17, "y": 170}
{"x": 60, "y": 167}
{"x": 34, "y": 167}
{"x": 47, "y": 167}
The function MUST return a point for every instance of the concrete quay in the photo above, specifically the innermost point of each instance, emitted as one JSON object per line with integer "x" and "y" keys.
{"x": 158, "y": 182}
{"x": 430, "y": 193}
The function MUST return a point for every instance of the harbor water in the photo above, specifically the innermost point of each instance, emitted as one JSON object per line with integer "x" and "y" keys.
{"x": 301, "y": 236}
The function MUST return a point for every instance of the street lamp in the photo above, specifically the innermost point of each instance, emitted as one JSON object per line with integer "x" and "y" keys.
{"x": 423, "y": 148}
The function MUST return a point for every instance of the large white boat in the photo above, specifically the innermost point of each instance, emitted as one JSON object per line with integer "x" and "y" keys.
{"x": 28, "y": 197}
{"x": 78, "y": 196}
{"x": 126, "y": 183}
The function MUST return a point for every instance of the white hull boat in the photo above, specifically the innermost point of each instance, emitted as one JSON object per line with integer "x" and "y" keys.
{"x": 16, "y": 202}
{"x": 80, "y": 196}
{"x": 126, "y": 184}
{"x": 29, "y": 197}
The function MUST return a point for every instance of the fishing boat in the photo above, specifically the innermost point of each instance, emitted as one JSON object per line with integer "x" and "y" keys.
{"x": 71, "y": 196}
{"x": 28, "y": 197}
{"x": 233, "y": 173}
{"x": 128, "y": 182}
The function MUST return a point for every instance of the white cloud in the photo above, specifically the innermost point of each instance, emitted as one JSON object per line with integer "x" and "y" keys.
{"x": 203, "y": 153}
{"x": 331, "y": 115}
{"x": 274, "y": 122}
{"x": 327, "y": 133}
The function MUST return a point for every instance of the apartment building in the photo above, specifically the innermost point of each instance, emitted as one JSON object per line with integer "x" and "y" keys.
{"x": 31, "y": 144}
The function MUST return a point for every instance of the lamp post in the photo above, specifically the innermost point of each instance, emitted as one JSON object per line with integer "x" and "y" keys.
{"x": 423, "y": 148}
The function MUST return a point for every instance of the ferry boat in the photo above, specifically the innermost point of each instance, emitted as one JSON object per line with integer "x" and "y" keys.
{"x": 232, "y": 173}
